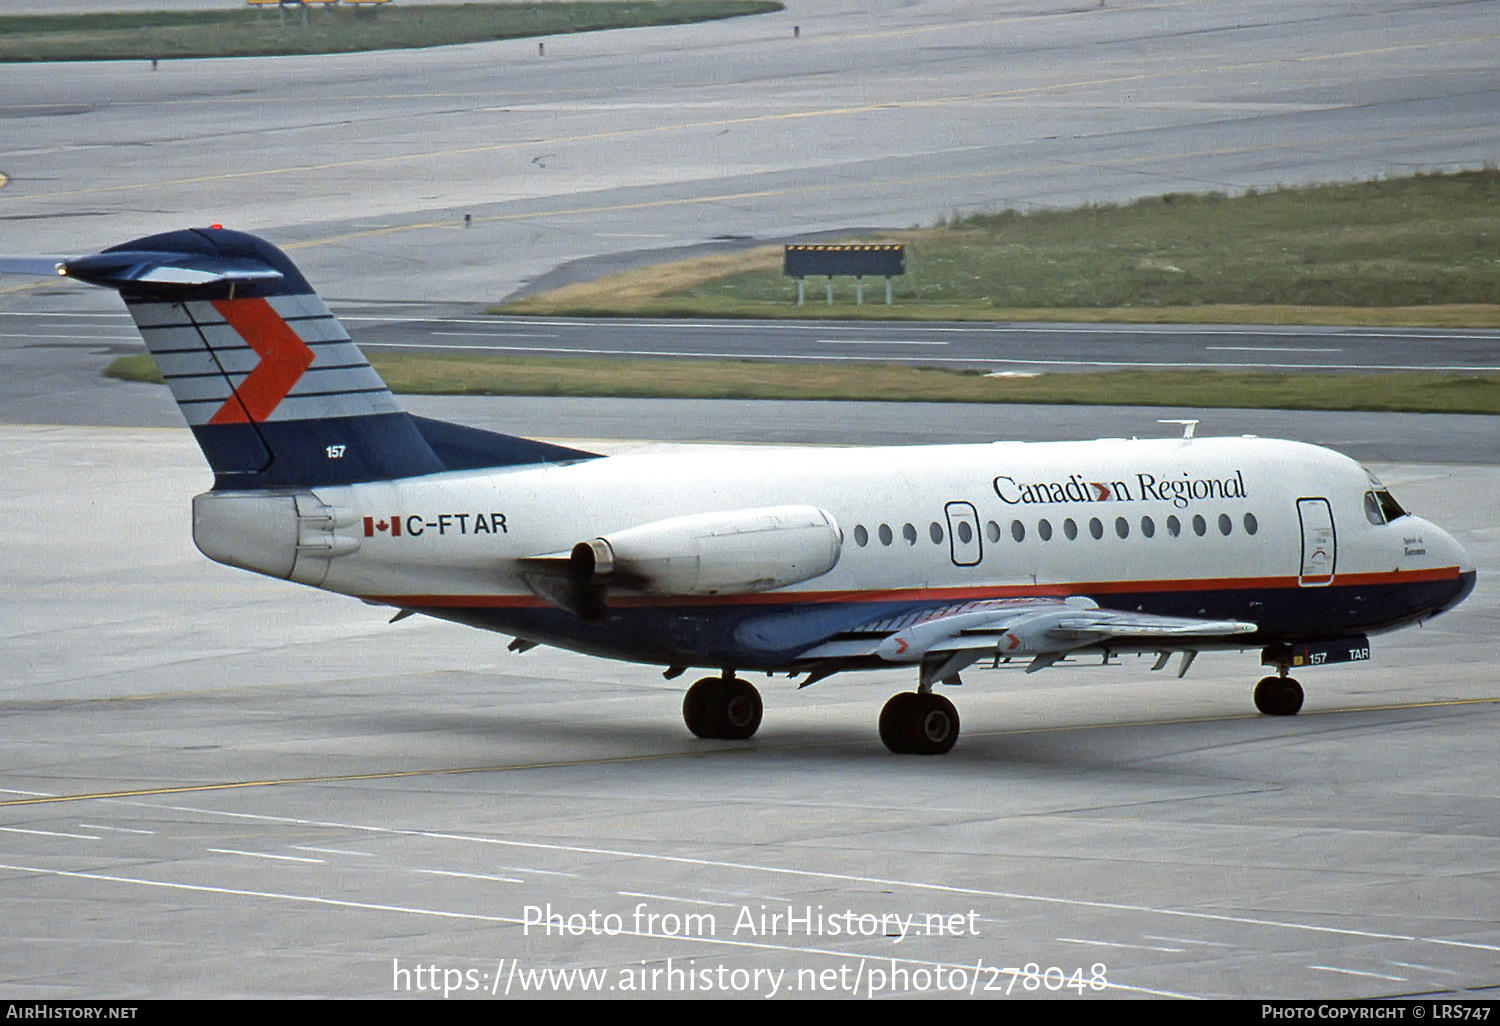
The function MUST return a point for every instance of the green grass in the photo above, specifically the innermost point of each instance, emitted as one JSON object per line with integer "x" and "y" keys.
{"x": 737, "y": 379}
{"x": 1418, "y": 250}
{"x": 243, "y": 32}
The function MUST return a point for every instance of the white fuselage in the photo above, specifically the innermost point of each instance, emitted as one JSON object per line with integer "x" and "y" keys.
{"x": 1178, "y": 517}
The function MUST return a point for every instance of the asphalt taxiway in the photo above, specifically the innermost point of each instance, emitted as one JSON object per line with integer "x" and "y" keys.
{"x": 220, "y": 785}
{"x": 875, "y": 114}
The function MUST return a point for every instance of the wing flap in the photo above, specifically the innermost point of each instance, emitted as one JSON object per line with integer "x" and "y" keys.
{"x": 1033, "y": 627}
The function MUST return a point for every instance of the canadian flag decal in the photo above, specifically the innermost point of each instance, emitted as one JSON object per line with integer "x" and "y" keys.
{"x": 385, "y": 525}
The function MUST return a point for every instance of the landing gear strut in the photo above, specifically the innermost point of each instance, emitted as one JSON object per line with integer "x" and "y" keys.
{"x": 725, "y": 708}
{"x": 919, "y": 723}
{"x": 1278, "y": 696}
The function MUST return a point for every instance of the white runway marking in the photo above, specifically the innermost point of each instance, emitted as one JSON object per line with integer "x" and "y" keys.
{"x": 471, "y": 876}
{"x": 50, "y": 833}
{"x": 74, "y": 338}
{"x": 918, "y": 885}
{"x": 1116, "y": 944}
{"x": 1356, "y": 972}
{"x": 542, "y": 872}
{"x": 879, "y": 342}
{"x": 1187, "y": 940}
{"x": 312, "y": 899}
{"x": 670, "y": 897}
{"x": 267, "y": 855}
{"x": 966, "y": 361}
{"x": 490, "y": 334}
{"x": 123, "y": 318}
{"x": 1427, "y": 968}
{"x": 1271, "y": 349}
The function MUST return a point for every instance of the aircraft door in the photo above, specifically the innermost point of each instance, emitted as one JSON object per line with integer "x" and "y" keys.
{"x": 964, "y": 540}
{"x": 1319, "y": 542}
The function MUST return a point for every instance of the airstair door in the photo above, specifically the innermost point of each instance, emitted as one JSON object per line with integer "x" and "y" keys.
{"x": 1319, "y": 542}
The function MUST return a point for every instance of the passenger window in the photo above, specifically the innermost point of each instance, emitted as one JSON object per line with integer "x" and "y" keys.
{"x": 965, "y": 532}
{"x": 1148, "y": 527}
{"x": 992, "y": 531}
{"x": 1095, "y": 528}
{"x": 1044, "y": 529}
{"x": 1200, "y": 526}
{"x": 1018, "y": 530}
{"x": 1070, "y": 529}
{"x": 909, "y": 533}
{"x": 1225, "y": 524}
{"x": 1251, "y": 524}
{"x": 861, "y": 536}
{"x": 1122, "y": 527}
{"x": 885, "y": 534}
{"x": 1174, "y": 526}
{"x": 936, "y": 533}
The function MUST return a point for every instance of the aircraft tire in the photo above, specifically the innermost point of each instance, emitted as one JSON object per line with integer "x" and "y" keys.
{"x": 724, "y": 709}
{"x": 935, "y": 728}
{"x": 913, "y": 723}
{"x": 894, "y": 717}
{"x": 1278, "y": 696}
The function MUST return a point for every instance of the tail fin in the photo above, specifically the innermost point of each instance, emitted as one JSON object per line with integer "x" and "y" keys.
{"x": 270, "y": 383}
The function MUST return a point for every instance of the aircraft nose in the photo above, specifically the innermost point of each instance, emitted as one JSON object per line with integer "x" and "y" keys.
{"x": 1456, "y": 552}
{"x": 1448, "y": 552}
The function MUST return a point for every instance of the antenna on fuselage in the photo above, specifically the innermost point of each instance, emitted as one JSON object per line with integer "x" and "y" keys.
{"x": 1188, "y": 427}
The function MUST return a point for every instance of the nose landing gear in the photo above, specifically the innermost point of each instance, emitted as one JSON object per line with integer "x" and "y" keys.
{"x": 1278, "y": 696}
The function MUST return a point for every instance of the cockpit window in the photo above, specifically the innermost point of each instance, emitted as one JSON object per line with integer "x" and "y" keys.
{"x": 1389, "y": 506}
{"x": 1380, "y": 507}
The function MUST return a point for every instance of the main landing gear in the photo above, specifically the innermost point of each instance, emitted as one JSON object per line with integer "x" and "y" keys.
{"x": 725, "y": 708}
{"x": 1278, "y": 696}
{"x": 919, "y": 723}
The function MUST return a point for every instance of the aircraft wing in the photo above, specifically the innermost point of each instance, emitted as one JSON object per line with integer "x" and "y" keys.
{"x": 948, "y": 638}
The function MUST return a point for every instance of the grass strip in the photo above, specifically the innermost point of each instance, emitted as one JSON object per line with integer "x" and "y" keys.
{"x": 444, "y": 374}
{"x": 1422, "y": 250}
{"x": 243, "y": 32}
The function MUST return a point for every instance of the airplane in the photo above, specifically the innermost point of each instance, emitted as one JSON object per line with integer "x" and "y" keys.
{"x": 803, "y": 561}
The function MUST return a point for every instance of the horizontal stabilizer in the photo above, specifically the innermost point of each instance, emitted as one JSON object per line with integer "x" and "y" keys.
{"x": 118, "y": 269}
{"x": 42, "y": 266}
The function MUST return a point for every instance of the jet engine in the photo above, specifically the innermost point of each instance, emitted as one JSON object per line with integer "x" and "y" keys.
{"x": 733, "y": 552}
